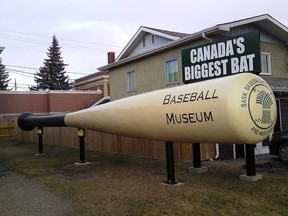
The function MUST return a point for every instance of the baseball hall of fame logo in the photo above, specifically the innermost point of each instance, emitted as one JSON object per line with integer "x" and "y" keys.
{"x": 262, "y": 115}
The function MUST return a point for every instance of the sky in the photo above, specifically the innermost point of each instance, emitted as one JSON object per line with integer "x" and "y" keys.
{"x": 88, "y": 29}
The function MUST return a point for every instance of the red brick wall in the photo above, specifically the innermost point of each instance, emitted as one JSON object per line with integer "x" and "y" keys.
{"x": 48, "y": 102}
{"x": 25, "y": 102}
{"x": 72, "y": 102}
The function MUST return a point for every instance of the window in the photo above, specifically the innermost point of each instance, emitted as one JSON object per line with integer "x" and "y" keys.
{"x": 265, "y": 64}
{"x": 172, "y": 71}
{"x": 131, "y": 81}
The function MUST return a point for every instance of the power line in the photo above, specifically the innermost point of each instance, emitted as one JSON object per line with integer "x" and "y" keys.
{"x": 41, "y": 42}
{"x": 21, "y": 67}
{"x": 32, "y": 68}
{"x": 48, "y": 43}
{"x": 37, "y": 35}
{"x": 22, "y": 73}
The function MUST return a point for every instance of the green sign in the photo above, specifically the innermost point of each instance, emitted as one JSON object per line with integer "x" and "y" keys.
{"x": 222, "y": 58}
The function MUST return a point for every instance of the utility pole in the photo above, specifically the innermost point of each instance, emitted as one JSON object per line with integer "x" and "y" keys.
{"x": 15, "y": 84}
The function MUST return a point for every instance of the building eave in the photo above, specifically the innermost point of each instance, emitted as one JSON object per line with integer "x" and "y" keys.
{"x": 265, "y": 22}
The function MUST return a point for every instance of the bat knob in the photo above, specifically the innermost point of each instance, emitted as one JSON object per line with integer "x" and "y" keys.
{"x": 24, "y": 123}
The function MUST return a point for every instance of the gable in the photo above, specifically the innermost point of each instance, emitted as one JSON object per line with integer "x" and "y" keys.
{"x": 153, "y": 38}
{"x": 263, "y": 23}
{"x": 265, "y": 36}
{"x": 149, "y": 41}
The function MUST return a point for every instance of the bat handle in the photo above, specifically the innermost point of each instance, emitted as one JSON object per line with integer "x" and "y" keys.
{"x": 28, "y": 121}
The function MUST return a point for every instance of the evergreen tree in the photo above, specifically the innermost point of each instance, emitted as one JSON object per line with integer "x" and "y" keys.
{"x": 4, "y": 75}
{"x": 52, "y": 75}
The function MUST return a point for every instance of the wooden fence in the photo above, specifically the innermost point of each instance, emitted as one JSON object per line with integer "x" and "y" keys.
{"x": 109, "y": 143}
{"x": 7, "y": 129}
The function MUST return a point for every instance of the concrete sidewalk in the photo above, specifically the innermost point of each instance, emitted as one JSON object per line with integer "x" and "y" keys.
{"x": 21, "y": 196}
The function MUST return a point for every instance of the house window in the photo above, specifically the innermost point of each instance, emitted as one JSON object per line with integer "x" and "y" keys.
{"x": 172, "y": 71}
{"x": 131, "y": 81}
{"x": 265, "y": 64}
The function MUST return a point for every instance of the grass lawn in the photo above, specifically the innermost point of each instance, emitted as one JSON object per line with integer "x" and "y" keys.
{"x": 119, "y": 185}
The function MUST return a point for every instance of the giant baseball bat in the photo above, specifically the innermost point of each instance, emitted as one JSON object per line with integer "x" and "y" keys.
{"x": 234, "y": 109}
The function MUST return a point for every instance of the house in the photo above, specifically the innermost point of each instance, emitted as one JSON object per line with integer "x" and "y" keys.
{"x": 152, "y": 60}
{"x": 98, "y": 80}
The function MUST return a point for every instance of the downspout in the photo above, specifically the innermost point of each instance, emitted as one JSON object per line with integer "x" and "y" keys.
{"x": 217, "y": 152}
{"x": 205, "y": 37}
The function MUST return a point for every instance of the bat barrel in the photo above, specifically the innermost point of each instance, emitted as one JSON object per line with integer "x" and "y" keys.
{"x": 28, "y": 121}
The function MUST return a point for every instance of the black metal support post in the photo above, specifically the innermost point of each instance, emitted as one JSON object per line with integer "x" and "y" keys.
{"x": 81, "y": 135}
{"x": 40, "y": 140}
{"x": 170, "y": 163}
{"x": 196, "y": 155}
{"x": 250, "y": 160}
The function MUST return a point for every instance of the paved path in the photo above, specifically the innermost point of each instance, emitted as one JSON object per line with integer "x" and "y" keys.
{"x": 21, "y": 196}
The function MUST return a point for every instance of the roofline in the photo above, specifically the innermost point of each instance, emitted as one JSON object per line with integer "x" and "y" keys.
{"x": 184, "y": 40}
{"x": 139, "y": 31}
{"x": 154, "y": 31}
{"x": 255, "y": 19}
{"x": 103, "y": 77}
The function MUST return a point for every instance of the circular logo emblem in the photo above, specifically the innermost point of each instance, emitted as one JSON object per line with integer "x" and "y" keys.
{"x": 261, "y": 105}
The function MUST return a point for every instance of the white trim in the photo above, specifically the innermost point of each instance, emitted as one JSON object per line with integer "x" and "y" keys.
{"x": 152, "y": 31}
{"x": 253, "y": 20}
{"x": 101, "y": 100}
{"x": 166, "y": 74}
{"x": 269, "y": 73}
{"x": 128, "y": 87}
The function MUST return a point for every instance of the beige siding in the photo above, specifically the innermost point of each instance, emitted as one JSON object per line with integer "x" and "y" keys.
{"x": 279, "y": 60}
{"x": 150, "y": 71}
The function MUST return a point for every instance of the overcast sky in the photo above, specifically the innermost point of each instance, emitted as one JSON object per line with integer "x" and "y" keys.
{"x": 88, "y": 29}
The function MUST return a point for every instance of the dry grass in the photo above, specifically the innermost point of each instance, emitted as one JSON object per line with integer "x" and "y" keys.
{"x": 117, "y": 185}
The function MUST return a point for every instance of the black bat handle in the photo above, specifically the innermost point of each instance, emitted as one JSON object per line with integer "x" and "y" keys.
{"x": 28, "y": 121}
